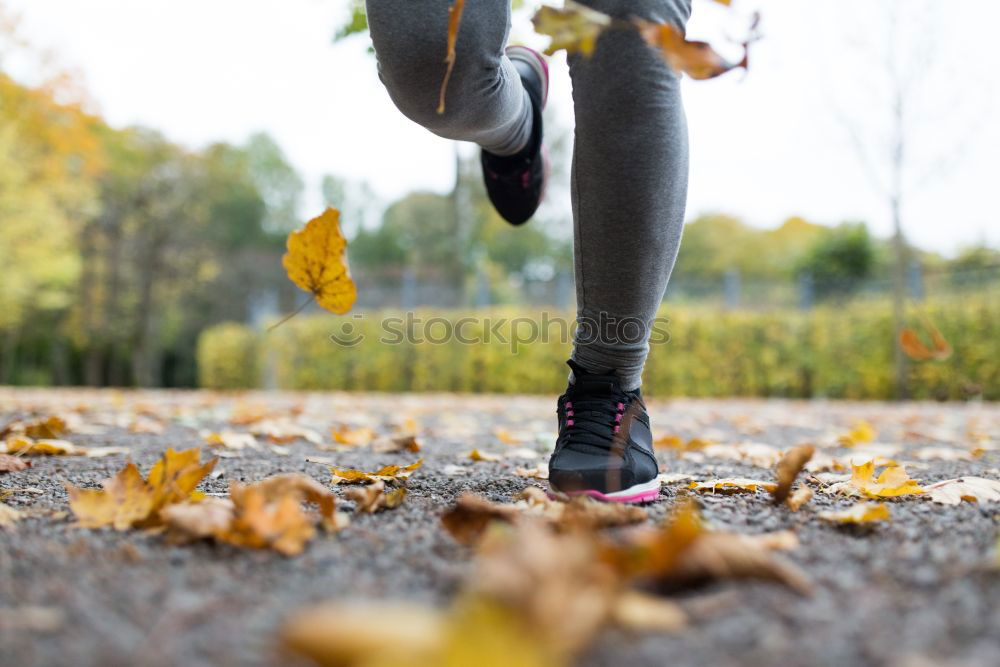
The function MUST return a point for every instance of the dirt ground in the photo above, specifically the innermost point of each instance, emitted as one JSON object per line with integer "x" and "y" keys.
{"x": 921, "y": 589}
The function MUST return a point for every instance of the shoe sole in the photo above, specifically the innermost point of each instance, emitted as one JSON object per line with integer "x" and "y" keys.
{"x": 535, "y": 60}
{"x": 646, "y": 492}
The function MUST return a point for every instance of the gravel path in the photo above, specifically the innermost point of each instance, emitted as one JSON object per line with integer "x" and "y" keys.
{"x": 919, "y": 590}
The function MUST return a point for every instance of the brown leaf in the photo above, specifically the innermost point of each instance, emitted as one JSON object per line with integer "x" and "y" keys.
{"x": 696, "y": 59}
{"x": 189, "y": 522}
{"x": 372, "y": 498}
{"x": 389, "y": 474}
{"x": 789, "y": 467}
{"x": 800, "y": 497}
{"x": 12, "y": 463}
{"x": 49, "y": 428}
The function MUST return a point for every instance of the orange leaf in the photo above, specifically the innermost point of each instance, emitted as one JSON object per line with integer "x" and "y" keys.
{"x": 454, "y": 21}
{"x": 916, "y": 350}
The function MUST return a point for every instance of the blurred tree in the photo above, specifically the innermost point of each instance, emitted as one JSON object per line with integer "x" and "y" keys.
{"x": 840, "y": 260}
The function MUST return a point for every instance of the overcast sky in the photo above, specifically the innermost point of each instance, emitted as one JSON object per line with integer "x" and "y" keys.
{"x": 765, "y": 146}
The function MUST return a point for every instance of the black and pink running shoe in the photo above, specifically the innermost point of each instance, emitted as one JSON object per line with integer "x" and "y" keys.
{"x": 605, "y": 446}
{"x": 516, "y": 183}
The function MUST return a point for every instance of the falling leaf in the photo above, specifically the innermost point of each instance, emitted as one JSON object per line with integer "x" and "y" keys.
{"x": 696, "y": 59}
{"x": 354, "y": 437}
{"x": 732, "y": 485}
{"x": 127, "y": 500}
{"x": 316, "y": 261}
{"x": 969, "y": 489}
{"x": 798, "y": 498}
{"x": 454, "y": 22}
{"x": 860, "y": 433}
{"x": 789, "y": 467}
{"x": 893, "y": 481}
{"x": 9, "y": 516}
{"x": 388, "y": 474}
{"x": 12, "y": 463}
{"x": 574, "y": 27}
{"x": 858, "y": 513}
{"x": 485, "y": 457}
{"x": 915, "y": 349}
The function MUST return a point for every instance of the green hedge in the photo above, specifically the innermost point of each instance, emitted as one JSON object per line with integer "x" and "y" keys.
{"x": 843, "y": 352}
{"x": 228, "y": 357}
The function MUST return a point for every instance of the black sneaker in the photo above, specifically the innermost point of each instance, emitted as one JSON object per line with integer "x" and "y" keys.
{"x": 516, "y": 183}
{"x": 605, "y": 447}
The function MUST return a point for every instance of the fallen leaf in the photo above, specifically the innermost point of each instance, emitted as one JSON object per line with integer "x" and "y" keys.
{"x": 188, "y": 522}
{"x": 858, "y": 513}
{"x": 732, "y": 485}
{"x": 231, "y": 440}
{"x": 754, "y": 453}
{"x": 943, "y": 454}
{"x": 9, "y": 516}
{"x": 49, "y": 428}
{"x": 680, "y": 552}
{"x": 969, "y": 489}
{"x": 388, "y": 474}
{"x": 353, "y": 437}
{"x": 29, "y": 447}
{"x": 860, "y": 433}
{"x": 373, "y": 497}
{"x": 799, "y": 497}
{"x": 402, "y": 443}
{"x": 453, "y": 470}
{"x": 540, "y": 471}
{"x": 342, "y": 634}
{"x": 486, "y": 457}
{"x": 471, "y": 515}
{"x": 12, "y": 463}
{"x": 316, "y": 261}
{"x": 641, "y": 612}
{"x": 893, "y": 481}
{"x": 127, "y": 500}
{"x": 673, "y": 478}
{"x": 789, "y": 467}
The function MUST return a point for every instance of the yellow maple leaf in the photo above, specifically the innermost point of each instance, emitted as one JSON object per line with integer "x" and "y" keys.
{"x": 858, "y": 513}
{"x": 127, "y": 500}
{"x": 316, "y": 261}
{"x": 893, "y": 481}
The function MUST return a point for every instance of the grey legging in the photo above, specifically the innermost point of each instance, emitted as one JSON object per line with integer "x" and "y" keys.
{"x": 630, "y": 158}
